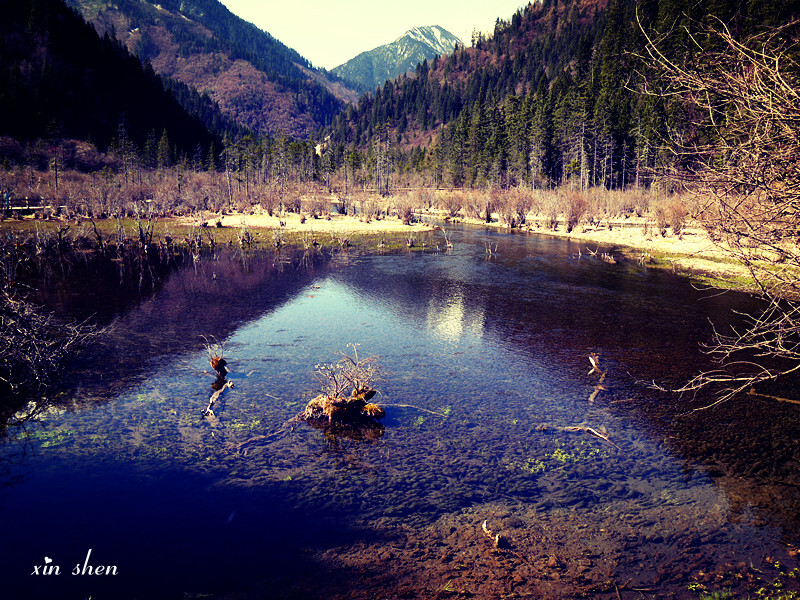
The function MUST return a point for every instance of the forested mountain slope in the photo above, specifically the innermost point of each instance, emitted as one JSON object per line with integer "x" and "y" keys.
{"x": 59, "y": 79}
{"x": 264, "y": 85}
{"x": 551, "y": 98}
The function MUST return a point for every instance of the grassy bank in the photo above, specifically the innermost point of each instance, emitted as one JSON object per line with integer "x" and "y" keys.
{"x": 209, "y": 230}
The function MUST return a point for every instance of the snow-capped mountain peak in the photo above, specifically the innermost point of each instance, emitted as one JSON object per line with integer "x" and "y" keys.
{"x": 372, "y": 68}
{"x": 439, "y": 39}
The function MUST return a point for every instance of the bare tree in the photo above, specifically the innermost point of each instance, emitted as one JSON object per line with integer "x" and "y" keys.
{"x": 739, "y": 154}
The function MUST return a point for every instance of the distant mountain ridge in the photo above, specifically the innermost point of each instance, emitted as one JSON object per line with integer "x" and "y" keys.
{"x": 254, "y": 78}
{"x": 373, "y": 67}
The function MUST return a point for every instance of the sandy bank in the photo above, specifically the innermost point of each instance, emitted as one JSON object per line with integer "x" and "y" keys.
{"x": 692, "y": 252}
{"x": 336, "y": 224}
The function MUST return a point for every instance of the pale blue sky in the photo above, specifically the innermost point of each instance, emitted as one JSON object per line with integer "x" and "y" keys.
{"x": 330, "y": 32}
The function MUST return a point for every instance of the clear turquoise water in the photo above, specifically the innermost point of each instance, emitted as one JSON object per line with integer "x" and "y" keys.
{"x": 485, "y": 359}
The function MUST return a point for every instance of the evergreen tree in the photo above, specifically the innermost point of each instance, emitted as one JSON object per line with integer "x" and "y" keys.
{"x": 541, "y": 160}
{"x": 163, "y": 151}
{"x": 477, "y": 152}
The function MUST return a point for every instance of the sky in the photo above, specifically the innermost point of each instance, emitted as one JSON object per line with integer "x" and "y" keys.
{"x": 330, "y": 32}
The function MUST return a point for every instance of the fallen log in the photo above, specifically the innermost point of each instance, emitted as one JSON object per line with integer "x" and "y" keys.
{"x": 580, "y": 429}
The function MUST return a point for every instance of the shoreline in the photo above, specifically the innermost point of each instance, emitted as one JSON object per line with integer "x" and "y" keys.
{"x": 691, "y": 254}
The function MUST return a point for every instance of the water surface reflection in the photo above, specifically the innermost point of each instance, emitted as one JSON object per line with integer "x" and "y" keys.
{"x": 488, "y": 370}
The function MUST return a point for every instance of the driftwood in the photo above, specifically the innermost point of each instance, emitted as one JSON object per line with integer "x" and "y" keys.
{"x": 495, "y": 537}
{"x": 597, "y": 389}
{"x": 433, "y": 412}
{"x": 501, "y": 543}
{"x": 342, "y": 409}
{"x": 335, "y": 405}
{"x": 752, "y": 392}
{"x": 288, "y": 426}
{"x": 209, "y": 412}
{"x": 594, "y": 360}
{"x": 580, "y": 429}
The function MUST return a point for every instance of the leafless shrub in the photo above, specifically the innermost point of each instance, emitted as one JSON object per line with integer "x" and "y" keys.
{"x": 449, "y": 202}
{"x": 537, "y": 201}
{"x": 574, "y": 208}
{"x": 269, "y": 198}
{"x": 551, "y": 206}
{"x": 291, "y": 200}
{"x": 423, "y": 198}
{"x": 36, "y": 345}
{"x": 505, "y": 210}
{"x": 472, "y": 204}
{"x": 316, "y": 205}
{"x": 491, "y": 201}
{"x": 669, "y": 212}
{"x": 347, "y": 387}
{"x": 659, "y": 212}
{"x": 404, "y": 209}
{"x": 511, "y": 206}
{"x": 622, "y": 203}
{"x": 744, "y": 95}
{"x": 677, "y": 216}
{"x": 370, "y": 208}
{"x": 351, "y": 375}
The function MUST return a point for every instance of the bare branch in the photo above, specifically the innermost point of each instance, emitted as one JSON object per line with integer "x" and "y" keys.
{"x": 739, "y": 152}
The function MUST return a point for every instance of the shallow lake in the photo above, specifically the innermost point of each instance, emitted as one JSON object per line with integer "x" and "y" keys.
{"x": 486, "y": 368}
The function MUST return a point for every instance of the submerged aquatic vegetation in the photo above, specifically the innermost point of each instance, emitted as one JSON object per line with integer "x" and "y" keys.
{"x": 559, "y": 458}
{"x": 55, "y": 437}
